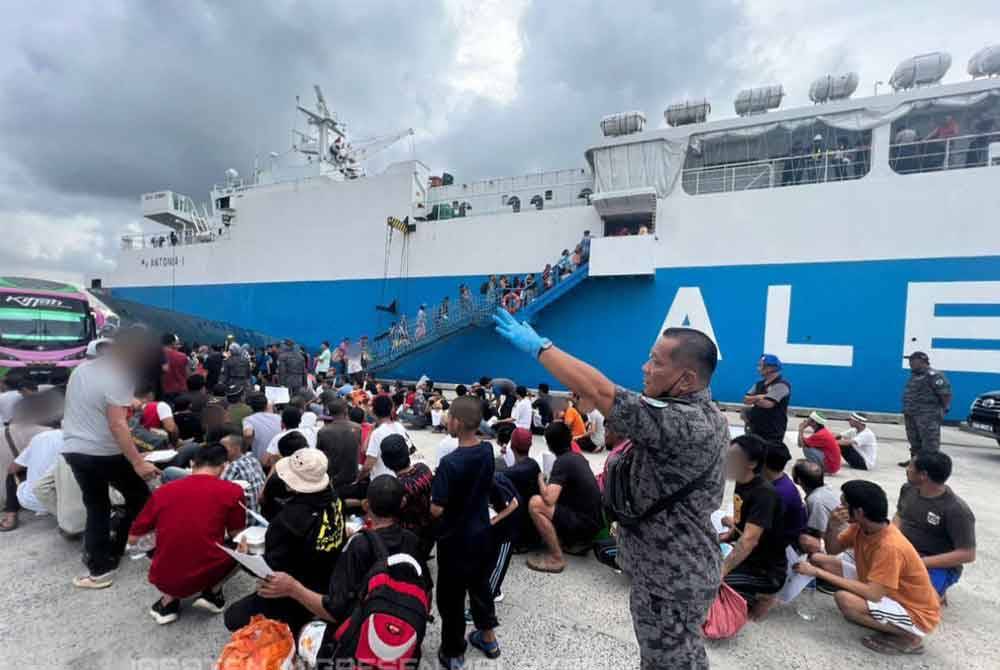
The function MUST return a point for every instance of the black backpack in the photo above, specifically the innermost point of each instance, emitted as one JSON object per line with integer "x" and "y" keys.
{"x": 619, "y": 501}
{"x": 387, "y": 628}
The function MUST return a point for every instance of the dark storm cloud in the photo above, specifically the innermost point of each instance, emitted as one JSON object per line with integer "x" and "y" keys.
{"x": 582, "y": 62}
{"x": 144, "y": 96}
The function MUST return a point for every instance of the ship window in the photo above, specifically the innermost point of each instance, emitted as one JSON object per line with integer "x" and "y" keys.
{"x": 548, "y": 195}
{"x": 786, "y": 154}
{"x": 947, "y": 134}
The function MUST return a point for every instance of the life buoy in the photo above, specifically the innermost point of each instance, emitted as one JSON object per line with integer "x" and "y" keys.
{"x": 511, "y": 302}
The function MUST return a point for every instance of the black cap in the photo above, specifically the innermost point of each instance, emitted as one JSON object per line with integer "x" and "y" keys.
{"x": 234, "y": 390}
{"x": 395, "y": 452}
{"x": 918, "y": 354}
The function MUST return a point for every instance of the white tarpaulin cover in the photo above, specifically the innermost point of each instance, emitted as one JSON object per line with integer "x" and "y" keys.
{"x": 650, "y": 164}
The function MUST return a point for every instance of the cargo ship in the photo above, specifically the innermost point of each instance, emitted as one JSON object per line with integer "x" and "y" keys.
{"x": 840, "y": 236}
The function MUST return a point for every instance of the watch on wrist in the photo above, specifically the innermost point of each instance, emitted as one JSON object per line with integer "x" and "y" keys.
{"x": 546, "y": 344}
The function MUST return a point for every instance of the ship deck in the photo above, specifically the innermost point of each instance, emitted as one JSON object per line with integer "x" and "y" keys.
{"x": 576, "y": 619}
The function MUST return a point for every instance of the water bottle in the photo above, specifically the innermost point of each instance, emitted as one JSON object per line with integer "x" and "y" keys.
{"x": 805, "y": 604}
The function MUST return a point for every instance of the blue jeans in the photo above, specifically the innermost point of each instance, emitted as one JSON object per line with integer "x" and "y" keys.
{"x": 173, "y": 473}
{"x": 943, "y": 578}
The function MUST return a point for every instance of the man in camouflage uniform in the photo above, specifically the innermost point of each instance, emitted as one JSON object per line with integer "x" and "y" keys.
{"x": 926, "y": 399}
{"x": 678, "y": 437}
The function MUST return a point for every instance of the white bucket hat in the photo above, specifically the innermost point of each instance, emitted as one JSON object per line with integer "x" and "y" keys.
{"x": 304, "y": 471}
{"x": 818, "y": 418}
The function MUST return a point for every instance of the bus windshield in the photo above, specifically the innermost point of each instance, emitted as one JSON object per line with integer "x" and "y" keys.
{"x": 42, "y": 323}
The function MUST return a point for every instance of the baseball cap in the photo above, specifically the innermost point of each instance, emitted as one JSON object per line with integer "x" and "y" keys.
{"x": 395, "y": 452}
{"x": 920, "y": 355}
{"x": 771, "y": 360}
{"x": 520, "y": 440}
{"x": 234, "y": 391}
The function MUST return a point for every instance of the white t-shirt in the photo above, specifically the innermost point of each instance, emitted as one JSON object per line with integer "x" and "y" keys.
{"x": 265, "y": 426}
{"x": 522, "y": 413}
{"x": 597, "y": 422}
{"x": 93, "y": 387}
{"x": 40, "y": 458}
{"x": 447, "y": 445}
{"x": 323, "y": 361}
{"x": 354, "y": 364}
{"x": 163, "y": 411}
{"x": 310, "y": 435}
{"x": 375, "y": 445}
{"x": 8, "y": 400}
{"x": 867, "y": 444}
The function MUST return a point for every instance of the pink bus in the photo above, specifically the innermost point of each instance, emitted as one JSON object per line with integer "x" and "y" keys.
{"x": 44, "y": 325}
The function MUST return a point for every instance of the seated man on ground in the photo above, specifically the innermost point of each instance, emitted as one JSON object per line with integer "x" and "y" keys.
{"x": 34, "y": 462}
{"x": 303, "y": 540}
{"x": 337, "y": 600}
{"x": 276, "y": 493}
{"x": 242, "y": 467}
{"x": 821, "y": 500}
{"x": 858, "y": 443}
{"x": 188, "y": 423}
{"x": 416, "y": 478}
{"x": 340, "y": 440}
{"x": 819, "y": 446}
{"x": 190, "y": 516}
{"x": 792, "y": 509}
{"x": 593, "y": 440}
{"x": 156, "y": 415}
{"x": 756, "y": 567}
{"x": 291, "y": 418}
{"x": 568, "y": 510}
{"x": 939, "y": 524}
{"x": 885, "y": 585}
{"x": 524, "y": 475}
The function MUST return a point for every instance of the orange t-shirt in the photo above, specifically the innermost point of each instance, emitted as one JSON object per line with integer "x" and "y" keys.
{"x": 887, "y": 558}
{"x": 575, "y": 422}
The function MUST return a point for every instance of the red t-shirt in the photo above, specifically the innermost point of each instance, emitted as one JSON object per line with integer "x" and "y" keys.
{"x": 151, "y": 416}
{"x": 824, "y": 440}
{"x": 366, "y": 430}
{"x": 189, "y": 516}
{"x": 175, "y": 378}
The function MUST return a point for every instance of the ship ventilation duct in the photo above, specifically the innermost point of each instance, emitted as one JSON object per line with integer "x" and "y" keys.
{"x": 758, "y": 100}
{"x": 832, "y": 87}
{"x": 985, "y": 62}
{"x": 687, "y": 112}
{"x": 920, "y": 70}
{"x": 623, "y": 123}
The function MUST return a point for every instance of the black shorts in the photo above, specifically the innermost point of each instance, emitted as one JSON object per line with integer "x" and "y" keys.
{"x": 571, "y": 527}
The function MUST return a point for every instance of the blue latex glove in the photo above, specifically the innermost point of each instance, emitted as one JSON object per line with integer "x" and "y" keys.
{"x": 521, "y": 335}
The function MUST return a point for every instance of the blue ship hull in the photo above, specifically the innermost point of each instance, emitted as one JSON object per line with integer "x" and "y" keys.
{"x": 612, "y": 322}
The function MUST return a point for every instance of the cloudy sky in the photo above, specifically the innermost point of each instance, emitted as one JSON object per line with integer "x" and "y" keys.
{"x": 102, "y": 101}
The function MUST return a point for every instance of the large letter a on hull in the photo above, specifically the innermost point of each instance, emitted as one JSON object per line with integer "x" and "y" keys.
{"x": 688, "y": 311}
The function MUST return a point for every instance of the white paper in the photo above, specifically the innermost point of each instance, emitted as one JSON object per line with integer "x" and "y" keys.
{"x": 794, "y": 582}
{"x": 508, "y": 457}
{"x": 277, "y": 395}
{"x": 256, "y": 517}
{"x": 548, "y": 460}
{"x": 255, "y": 564}
{"x": 160, "y": 456}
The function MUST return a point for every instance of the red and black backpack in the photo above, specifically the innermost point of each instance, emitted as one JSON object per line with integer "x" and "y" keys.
{"x": 387, "y": 627}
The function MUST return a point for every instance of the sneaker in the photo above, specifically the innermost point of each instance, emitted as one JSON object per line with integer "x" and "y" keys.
{"x": 89, "y": 581}
{"x": 164, "y": 614}
{"x": 211, "y": 602}
{"x": 498, "y": 598}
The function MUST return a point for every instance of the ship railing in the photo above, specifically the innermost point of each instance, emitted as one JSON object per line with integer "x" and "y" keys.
{"x": 541, "y": 190}
{"x": 172, "y": 240}
{"x": 951, "y": 153}
{"x": 806, "y": 168}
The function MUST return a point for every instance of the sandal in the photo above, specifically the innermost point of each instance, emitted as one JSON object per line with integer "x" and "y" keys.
{"x": 884, "y": 644}
{"x": 545, "y": 565}
{"x": 490, "y": 649}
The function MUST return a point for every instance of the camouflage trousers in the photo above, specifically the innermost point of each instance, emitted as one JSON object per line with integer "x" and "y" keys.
{"x": 923, "y": 432}
{"x": 669, "y": 630}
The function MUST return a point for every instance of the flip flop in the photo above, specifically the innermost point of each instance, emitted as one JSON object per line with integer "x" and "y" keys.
{"x": 544, "y": 565}
{"x": 883, "y": 644}
{"x": 490, "y": 649}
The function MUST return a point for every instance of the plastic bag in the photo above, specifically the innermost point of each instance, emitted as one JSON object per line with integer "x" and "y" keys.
{"x": 263, "y": 644}
{"x": 726, "y": 616}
